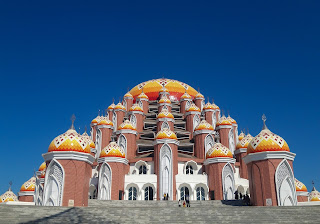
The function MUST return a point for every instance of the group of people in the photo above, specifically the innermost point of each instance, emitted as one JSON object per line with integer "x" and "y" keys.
{"x": 166, "y": 197}
{"x": 184, "y": 203}
{"x": 240, "y": 196}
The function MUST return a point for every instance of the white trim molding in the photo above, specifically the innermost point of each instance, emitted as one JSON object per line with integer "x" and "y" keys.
{"x": 302, "y": 193}
{"x": 65, "y": 155}
{"x": 185, "y": 99}
{"x": 135, "y": 112}
{"x": 192, "y": 112}
{"x": 199, "y": 132}
{"x": 166, "y": 141}
{"x": 223, "y": 126}
{"x": 26, "y": 193}
{"x": 112, "y": 159}
{"x": 126, "y": 131}
{"x": 165, "y": 104}
{"x": 219, "y": 160}
{"x": 165, "y": 119}
{"x": 257, "y": 156}
{"x": 241, "y": 150}
{"x": 104, "y": 126}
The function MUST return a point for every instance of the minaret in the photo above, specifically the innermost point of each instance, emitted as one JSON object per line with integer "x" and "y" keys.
{"x": 203, "y": 139}
{"x": 240, "y": 152}
{"x": 136, "y": 117}
{"x": 128, "y": 99}
{"x": 192, "y": 117}
{"x": 270, "y": 170}
{"x": 165, "y": 103}
{"x": 164, "y": 92}
{"x": 120, "y": 112}
{"x": 224, "y": 126}
{"x": 184, "y": 101}
{"x": 111, "y": 111}
{"x": 26, "y": 193}
{"x": 199, "y": 101}
{"x": 143, "y": 101}
{"x": 127, "y": 134}
{"x": 93, "y": 124}
{"x": 165, "y": 119}
{"x": 104, "y": 132}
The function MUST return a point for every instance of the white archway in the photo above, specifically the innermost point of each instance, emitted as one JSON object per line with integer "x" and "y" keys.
{"x": 228, "y": 182}
{"x": 231, "y": 141}
{"x": 122, "y": 142}
{"x": 105, "y": 180}
{"x": 166, "y": 171}
{"x": 208, "y": 143}
{"x": 133, "y": 120}
{"x": 196, "y": 121}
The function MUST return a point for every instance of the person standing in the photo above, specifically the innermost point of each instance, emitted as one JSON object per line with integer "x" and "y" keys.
{"x": 187, "y": 200}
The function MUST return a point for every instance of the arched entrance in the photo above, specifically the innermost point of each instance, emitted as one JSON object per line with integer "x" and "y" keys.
{"x": 148, "y": 193}
{"x": 184, "y": 191}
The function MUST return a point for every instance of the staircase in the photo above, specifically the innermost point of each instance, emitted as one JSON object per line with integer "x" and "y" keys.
{"x": 159, "y": 212}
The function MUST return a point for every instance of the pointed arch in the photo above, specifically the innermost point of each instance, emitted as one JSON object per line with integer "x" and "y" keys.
{"x": 285, "y": 187}
{"x": 202, "y": 105}
{"x": 98, "y": 141}
{"x": 133, "y": 120}
{"x": 188, "y": 104}
{"x": 231, "y": 140}
{"x": 54, "y": 183}
{"x": 214, "y": 120}
{"x": 227, "y": 182}
{"x": 196, "y": 121}
{"x": 105, "y": 180}
{"x": 140, "y": 104}
{"x": 165, "y": 107}
{"x": 208, "y": 142}
{"x": 114, "y": 121}
{"x": 166, "y": 171}
{"x": 122, "y": 142}
{"x": 165, "y": 124}
{"x": 124, "y": 103}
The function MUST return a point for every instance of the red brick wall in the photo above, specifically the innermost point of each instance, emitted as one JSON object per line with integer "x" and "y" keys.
{"x": 197, "y": 102}
{"x": 208, "y": 116}
{"x": 214, "y": 172}
{"x": 118, "y": 173}
{"x": 224, "y": 136}
{"x": 120, "y": 116}
{"x": 145, "y": 106}
{"x": 106, "y": 137}
{"x": 302, "y": 198}
{"x": 243, "y": 171}
{"x": 183, "y": 106}
{"x": 199, "y": 147}
{"x": 189, "y": 124}
{"x": 26, "y": 198}
{"x": 131, "y": 145}
{"x": 129, "y": 102}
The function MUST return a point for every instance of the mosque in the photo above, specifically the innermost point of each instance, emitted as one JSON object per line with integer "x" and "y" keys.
{"x": 164, "y": 140}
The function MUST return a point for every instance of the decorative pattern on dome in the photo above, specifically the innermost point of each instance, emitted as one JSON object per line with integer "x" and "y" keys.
{"x": 241, "y": 136}
{"x": 136, "y": 107}
{"x": 164, "y": 99}
{"x": 8, "y": 196}
{"x": 218, "y": 150}
{"x": 244, "y": 142}
{"x": 300, "y": 186}
{"x": 165, "y": 114}
{"x": 126, "y": 125}
{"x": 314, "y": 195}
{"x": 113, "y": 150}
{"x": 204, "y": 125}
{"x": 96, "y": 120}
{"x": 208, "y": 106}
{"x": 231, "y": 120}
{"x": 215, "y": 106}
{"x": 43, "y": 166}
{"x": 119, "y": 106}
{"x": 224, "y": 121}
{"x": 164, "y": 89}
{"x": 267, "y": 141}
{"x": 199, "y": 95}
{"x": 186, "y": 96}
{"x": 87, "y": 137}
{"x": 152, "y": 88}
{"x": 143, "y": 95}
{"x": 29, "y": 185}
{"x": 70, "y": 141}
{"x": 127, "y": 95}
{"x": 193, "y": 107}
{"x": 105, "y": 121}
{"x": 166, "y": 134}
{"x": 112, "y": 106}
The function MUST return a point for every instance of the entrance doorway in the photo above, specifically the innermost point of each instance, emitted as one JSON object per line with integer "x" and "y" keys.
{"x": 148, "y": 193}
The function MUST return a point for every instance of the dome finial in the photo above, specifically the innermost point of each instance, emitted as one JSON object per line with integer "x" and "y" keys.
{"x": 106, "y": 112}
{"x": 10, "y": 184}
{"x": 313, "y": 188}
{"x": 79, "y": 131}
{"x": 73, "y": 118}
{"x": 85, "y": 129}
{"x": 264, "y": 118}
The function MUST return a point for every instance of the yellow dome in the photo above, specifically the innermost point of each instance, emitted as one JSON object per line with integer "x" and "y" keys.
{"x": 143, "y": 96}
{"x": 164, "y": 89}
{"x": 119, "y": 106}
{"x": 105, "y": 121}
{"x": 208, "y": 106}
{"x": 69, "y": 141}
{"x": 314, "y": 195}
{"x": 96, "y": 120}
{"x": 112, "y": 106}
{"x": 8, "y": 196}
{"x": 224, "y": 121}
{"x": 87, "y": 137}
{"x": 126, "y": 125}
{"x": 267, "y": 141}
{"x": 199, "y": 95}
{"x": 136, "y": 107}
{"x": 153, "y": 87}
{"x": 204, "y": 125}
{"x": 165, "y": 114}
{"x": 164, "y": 99}
{"x": 193, "y": 107}
{"x": 215, "y": 106}
{"x": 243, "y": 144}
{"x": 185, "y": 96}
{"x": 241, "y": 136}
{"x": 128, "y": 95}
{"x": 43, "y": 166}
{"x": 112, "y": 150}
{"x": 166, "y": 134}
{"x": 231, "y": 120}
{"x": 29, "y": 185}
{"x": 218, "y": 150}
{"x": 300, "y": 186}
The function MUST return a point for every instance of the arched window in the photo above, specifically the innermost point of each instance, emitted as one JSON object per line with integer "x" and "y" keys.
{"x": 140, "y": 104}
{"x": 98, "y": 142}
{"x": 142, "y": 169}
{"x": 188, "y": 104}
{"x": 105, "y": 180}
{"x": 114, "y": 121}
{"x": 196, "y": 121}
{"x": 200, "y": 194}
{"x": 165, "y": 125}
{"x": 132, "y": 193}
{"x": 148, "y": 193}
{"x": 209, "y": 142}
{"x": 133, "y": 120}
{"x": 189, "y": 169}
{"x": 122, "y": 142}
{"x": 183, "y": 193}
{"x": 231, "y": 141}
{"x": 214, "y": 120}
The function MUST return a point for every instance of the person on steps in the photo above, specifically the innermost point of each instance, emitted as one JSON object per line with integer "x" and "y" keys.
{"x": 187, "y": 200}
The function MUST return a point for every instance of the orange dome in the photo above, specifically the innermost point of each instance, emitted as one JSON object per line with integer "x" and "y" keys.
{"x": 241, "y": 136}
{"x": 208, "y": 106}
{"x": 69, "y": 141}
{"x": 119, "y": 106}
{"x": 185, "y": 96}
{"x": 166, "y": 134}
{"x": 136, "y": 107}
{"x": 199, "y": 95}
{"x": 267, "y": 141}
{"x": 29, "y": 185}
{"x": 105, "y": 121}
{"x": 215, "y": 106}
{"x": 87, "y": 137}
{"x": 143, "y": 96}
{"x": 126, "y": 125}
{"x": 112, "y": 106}
{"x": 165, "y": 114}
{"x": 164, "y": 99}
{"x": 204, "y": 125}
{"x": 8, "y": 196}
{"x": 153, "y": 87}
{"x": 96, "y": 120}
{"x": 193, "y": 107}
{"x": 224, "y": 121}
{"x": 164, "y": 89}
{"x": 231, "y": 120}
{"x": 243, "y": 144}
{"x": 128, "y": 95}
{"x": 300, "y": 186}
{"x": 218, "y": 150}
{"x": 113, "y": 150}
{"x": 314, "y": 195}
{"x": 43, "y": 166}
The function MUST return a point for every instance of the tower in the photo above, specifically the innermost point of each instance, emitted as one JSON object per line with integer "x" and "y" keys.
{"x": 104, "y": 132}
{"x": 203, "y": 139}
{"x": 185, "y": 102}
{"x": 165, "y": 119}
{"x": 199, "y": 101}
{"x": 119, "y": 112}
{"x": 192, "y": 117}
{"x": 136, "y": 117}
{"x": 143, "y": 102}
{"x": 127, "y": 101}
{"x": 211, "y": 114}
{"x": 302, "y": 192}
{"x": 127, "y": 139}
{"x": 224, "y": 127}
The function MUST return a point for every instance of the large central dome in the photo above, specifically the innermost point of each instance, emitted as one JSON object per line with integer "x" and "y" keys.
{"x": 153, "y": 87}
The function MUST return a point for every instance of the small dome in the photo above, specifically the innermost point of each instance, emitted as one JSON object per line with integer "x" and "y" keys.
{"x": 126, "y": 125}
{"x": 300, "y": 186}
{"x": 119, "y": 106}
{"x": 105, "y": 121}
{"x": 314, "y": 195}
{"x": 243, "y": 144}
{"x": 231, "y": 120}
{"x": 112, "y": 106}
{"x": 8, "y": 196}
{"x": 136, "y": 107}
{"x": 87, "y": 137}
{"x": 186, "y": 96}
{"x": 241, "y": 136}
{"x": 143, "y": 95}
{"x": 164, "y": 89}
{"x": 70, "y": 141}
{"x": 43, "y": 166}
{"x": 224, "y": 121}
{"x": 215, "y": 106}
{"x": 267, "y": 141}
{"x": 199, "y": 95}
{"x": 165, "y": 114}
{"x": 127, "y": 95}
{"x": 193, "y": 107}
{"x": 166, "y": 134}
{"x": 204, "y": 125}
{"x": 96, "y": 120}
{"x": 112, "y": 150}
{"x": 164, "y": 99}
{"x": 29, "y": 185}
{"x": 218, "y": 150}
{"x": 208, "y": 106}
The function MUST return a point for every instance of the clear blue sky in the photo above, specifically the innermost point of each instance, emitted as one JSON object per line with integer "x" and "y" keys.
{"x": 64, "y": 57}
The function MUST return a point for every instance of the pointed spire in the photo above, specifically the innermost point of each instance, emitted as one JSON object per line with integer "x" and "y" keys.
{"x": 85, "y": 129}
{"x": 264, "y": 118}
{"x": 99, "y": 113}
{"x": 34, "y": 172}
{"x": 313, "y": 188}
{"x": 106, "y": 112}
{"x": 73, "y": 118}
{"x": 10, "y": 184}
